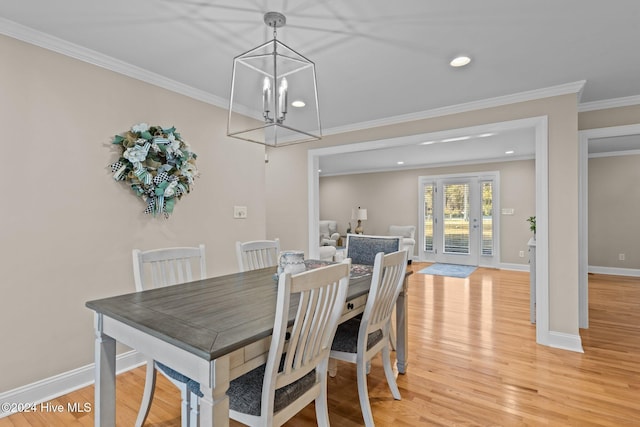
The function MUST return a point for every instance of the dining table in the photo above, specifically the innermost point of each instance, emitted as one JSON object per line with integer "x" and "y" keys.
{"x": 211, "y": 330}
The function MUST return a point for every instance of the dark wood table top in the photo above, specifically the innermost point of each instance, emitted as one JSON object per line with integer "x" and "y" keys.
{"x": 210, "y": 317}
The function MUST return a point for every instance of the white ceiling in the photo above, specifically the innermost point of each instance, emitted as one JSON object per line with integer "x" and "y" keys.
{"x": 375, "y": 59}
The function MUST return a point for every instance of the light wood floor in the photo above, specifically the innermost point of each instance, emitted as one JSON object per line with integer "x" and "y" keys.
{"x": 473, "y": 362}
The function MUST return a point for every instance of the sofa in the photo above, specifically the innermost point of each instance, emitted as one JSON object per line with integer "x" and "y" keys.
{"x": 407, "y": 232}
{"x": 329, "y": 233}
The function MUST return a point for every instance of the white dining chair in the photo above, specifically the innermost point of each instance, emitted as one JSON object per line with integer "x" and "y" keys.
{"x": 158, "y": 268}
{"x": 360, "y": 339}
{"x": 296, "y": 370}
{"x": 257, "y": 254}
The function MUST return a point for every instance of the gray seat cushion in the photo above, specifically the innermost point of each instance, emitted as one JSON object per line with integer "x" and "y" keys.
{"x": 346, "y": 338}
{"x": 245, "y": 392}
{"x": 192, "y": 386}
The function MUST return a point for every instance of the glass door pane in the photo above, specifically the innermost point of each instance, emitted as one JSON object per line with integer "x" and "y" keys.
{"x": 456, "y": 218}
{"x": 428, "y": 217}
{"x": 487, "y": 218}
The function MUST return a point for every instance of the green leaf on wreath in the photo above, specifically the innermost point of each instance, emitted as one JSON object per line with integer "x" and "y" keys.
{"x": 169, "y": 204}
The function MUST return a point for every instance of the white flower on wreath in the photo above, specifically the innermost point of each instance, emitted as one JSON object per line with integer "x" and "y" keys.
{"x": 189, "y": 171}
{"x": 174, "y": 145}
{"x": 170, "y": 191}
{"x": 140, "y": 127}
{"x": 135, "y": 154}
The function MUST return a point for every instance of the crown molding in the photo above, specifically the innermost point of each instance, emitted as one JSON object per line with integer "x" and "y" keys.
{"x": 609, "y": 103}
{"x": 55, "y": 44}
{"x": 564, "y": 89}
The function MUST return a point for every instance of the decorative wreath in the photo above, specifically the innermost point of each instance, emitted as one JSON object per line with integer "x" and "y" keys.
{"x": 157, "y": 164}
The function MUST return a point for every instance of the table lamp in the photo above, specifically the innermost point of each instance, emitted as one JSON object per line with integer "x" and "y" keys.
{"x": 361, "y": 215}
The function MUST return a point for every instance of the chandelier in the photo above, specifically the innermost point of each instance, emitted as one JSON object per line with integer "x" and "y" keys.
{"x": 274, "y": 96}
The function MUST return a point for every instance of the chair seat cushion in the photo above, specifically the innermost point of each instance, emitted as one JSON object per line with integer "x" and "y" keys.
{"x": 192, "y": 386}
{"x": 245, "y": 392}
{"x": 346, "y": 338}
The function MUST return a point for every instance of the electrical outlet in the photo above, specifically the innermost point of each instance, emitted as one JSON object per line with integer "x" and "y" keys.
{"x": 620, "y": 257}
{"x": 521, "y": 254}
{"x": 240, "y": 212}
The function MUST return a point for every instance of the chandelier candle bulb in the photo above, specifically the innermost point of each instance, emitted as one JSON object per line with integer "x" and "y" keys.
{"x": 282, "y": 99}
{"x": 266, "y": 96}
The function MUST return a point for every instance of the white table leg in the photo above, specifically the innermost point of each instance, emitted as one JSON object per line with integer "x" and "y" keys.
{"x": 214, "y": 406}
{"x": 402, "y": 348}
{"x": 105, "y": 371}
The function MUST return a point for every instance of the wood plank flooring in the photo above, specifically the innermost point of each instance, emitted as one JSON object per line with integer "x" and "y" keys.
{"x": 473, "y": 361}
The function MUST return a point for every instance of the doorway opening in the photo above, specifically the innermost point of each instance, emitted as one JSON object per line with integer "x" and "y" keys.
{"x": 458, "y": 225}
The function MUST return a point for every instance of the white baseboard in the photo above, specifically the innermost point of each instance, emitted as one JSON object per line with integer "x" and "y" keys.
{"x": 564, "y": 341}
{"x": 514, "y": 267}
{"x": 66, "y": 382}
{"x": 614, "y": 271}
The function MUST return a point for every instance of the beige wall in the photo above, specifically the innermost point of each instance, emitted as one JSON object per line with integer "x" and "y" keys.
{"x": 607, "y": 118}
{"x": 614, "y": 203}
{"x": 67, "y": 228}
{"x": 392, "y": 198}
{"x": 563, "y": 188}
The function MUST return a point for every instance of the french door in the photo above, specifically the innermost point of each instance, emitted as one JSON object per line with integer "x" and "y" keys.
{"x": 458, "y": 225}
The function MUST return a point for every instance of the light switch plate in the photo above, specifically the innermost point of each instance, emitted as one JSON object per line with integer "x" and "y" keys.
{"x": 240, "y": 212}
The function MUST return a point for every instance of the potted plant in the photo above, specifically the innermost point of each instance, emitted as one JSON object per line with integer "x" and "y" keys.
{"x": 532, "y": 225}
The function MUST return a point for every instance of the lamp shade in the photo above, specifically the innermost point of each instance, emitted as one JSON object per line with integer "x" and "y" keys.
{"x": 266, "y": 81}
{"x": 359, "y": 213}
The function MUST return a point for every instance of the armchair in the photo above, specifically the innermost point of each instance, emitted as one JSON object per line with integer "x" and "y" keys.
{"x": 407, "y": 232}
{"x": 328, "y": 233}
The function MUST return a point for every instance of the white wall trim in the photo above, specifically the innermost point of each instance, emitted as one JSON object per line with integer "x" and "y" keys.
{"x": 66, "y": 382}
{"x": 615, "y": 154}
{"x": 564, "y": 89}
{"x": 514, "y": 267}
{"x": 583, "y": 209}
{"x": 64, "y": 47}
{"x": 609, "y": 103}
{"x": 565, "y": 341}
{"x": 615, "y": 271}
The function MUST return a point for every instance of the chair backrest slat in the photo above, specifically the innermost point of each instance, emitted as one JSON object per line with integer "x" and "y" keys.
{"x": 257, "y": 254}
{"x": 168, "y": 266}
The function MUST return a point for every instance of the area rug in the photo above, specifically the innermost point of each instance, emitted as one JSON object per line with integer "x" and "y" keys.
{"x": 450, "y": 270}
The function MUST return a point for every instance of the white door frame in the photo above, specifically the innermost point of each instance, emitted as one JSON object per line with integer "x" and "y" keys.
{"x": 540, "y": 127}
{"x": 583, "y": 212}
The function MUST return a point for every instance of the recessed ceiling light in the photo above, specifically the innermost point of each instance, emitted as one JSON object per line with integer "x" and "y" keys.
{"x": 427, "y": 143}
{"x": 484, "y": 135}
{"x": 460, "y": 61}
{"x": 509, "y": 152}
{"x": 459, "y": 138}
{"x": 401, "y": 163}
{"x": 298, "y": 104}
